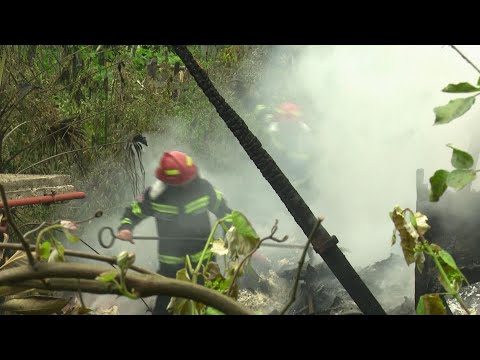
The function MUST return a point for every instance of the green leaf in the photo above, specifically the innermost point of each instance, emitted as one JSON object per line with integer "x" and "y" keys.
{"x": 461, "y": 159}
{"x": 447, "y": 259}
{"x": 431, "y": 304}
{"x": 458, "y": 179}
{"x": 421, "y": 306}
{"x": 180, "y": 306}
{"x": 71, "y": 237}
{"x": 463, "y": 87}
{"x": 478, "y": 82}
{"x": 241, "y": 237}
{"x": 454, "y": 275}
{"x": 435, "y": 248}
{"x": 408, "y": 235}
{"x": 244, "y": 227}
{"x": 454, "y": 109}
{"x": 212, "y": 311}
{"x": 438, "y": 184}
{"x": 413, "y": 220}
{"x": 45, "y": 250}
{"x": 61, "y": 251}
{"x": 35, "y": 305}
{"x": 108, "y": 276}
{"x": 182, "y": 274}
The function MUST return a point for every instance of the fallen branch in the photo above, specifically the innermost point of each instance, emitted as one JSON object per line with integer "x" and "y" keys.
{"x": 300, "y": 266}
{"x": 65, "y": 277}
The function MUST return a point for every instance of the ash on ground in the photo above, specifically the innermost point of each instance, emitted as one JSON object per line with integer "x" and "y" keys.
{"x": 320, "y": 293}
{"x": 470, "y": 296}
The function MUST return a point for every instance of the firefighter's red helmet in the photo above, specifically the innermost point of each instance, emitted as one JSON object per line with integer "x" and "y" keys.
{"x": 288, "y": 112}
{"x": 176, "y": 168}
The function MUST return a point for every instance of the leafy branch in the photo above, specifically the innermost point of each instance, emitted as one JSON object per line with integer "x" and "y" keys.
{"x": 461, "y": 160}
{"x": 66, "y": 276}
{"x": 239, "y": 244}
{"x": 457, "y": 179}
{"x": 415, "y": 246}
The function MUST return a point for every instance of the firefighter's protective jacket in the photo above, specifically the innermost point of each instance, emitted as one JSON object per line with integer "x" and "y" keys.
{"x": 180, "y": 212}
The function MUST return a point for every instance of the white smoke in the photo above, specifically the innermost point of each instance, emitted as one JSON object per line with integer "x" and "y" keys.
{"x": 375, "y": 115}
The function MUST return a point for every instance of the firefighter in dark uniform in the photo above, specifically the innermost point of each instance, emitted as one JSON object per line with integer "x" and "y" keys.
{"x": 180, "y": 201}
{"x": 289, "y": 140}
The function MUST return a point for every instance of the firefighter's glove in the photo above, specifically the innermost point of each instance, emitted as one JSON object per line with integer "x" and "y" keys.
{"x": 125, "y": 235}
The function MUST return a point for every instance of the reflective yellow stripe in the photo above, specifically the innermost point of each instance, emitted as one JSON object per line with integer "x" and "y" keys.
{"x": 196, "y": 257}
{"x": 189, "y": 161}
{"x": 197, "y": 204}
{"x": 166, "y": 209}
{"x": 172, "y": 172}
{"x": 136, "y": 209}
{"x": 199, "y": 200}
{"x": 259, "y": 108}
{"x": 173, "y": 260}
{"x": 203, "y": 206}
{"x": 126, "y": 221}
{"x": 219, "y": 200}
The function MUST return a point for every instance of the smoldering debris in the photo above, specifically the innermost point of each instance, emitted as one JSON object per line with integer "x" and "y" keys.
{"x": 320, "y": 293}
{"x": 471, "y": 296}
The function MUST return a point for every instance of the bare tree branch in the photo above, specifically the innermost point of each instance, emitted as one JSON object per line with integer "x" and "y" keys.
{"x": 14, "y": 226}
{"x": 142, "y": 284}
{"x": 34, "y": 230}
{"x": 465, "y": 58}
{"x": 300, "y": 266}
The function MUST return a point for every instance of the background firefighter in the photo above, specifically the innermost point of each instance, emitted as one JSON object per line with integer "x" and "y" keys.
{"x": 180, "y": 202}
{"x": 289, "y": 140}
